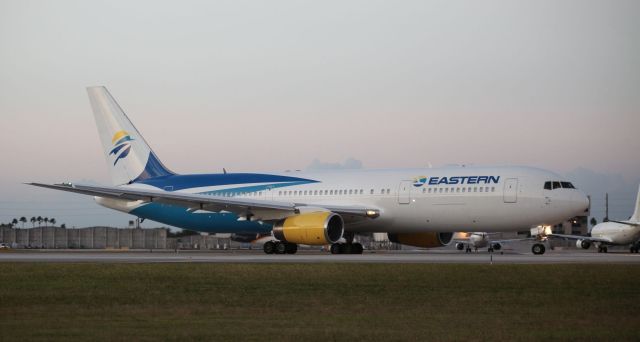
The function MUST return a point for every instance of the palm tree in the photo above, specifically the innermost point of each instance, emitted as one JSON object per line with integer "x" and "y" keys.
{"x": 46, "y": 220}
{"x": 39, "y": 219}
{"x": 52, "y": 221}
{"x": 14, "y": 222}
{"x": 23, "y": 220}
{"x": 33, "y": 221}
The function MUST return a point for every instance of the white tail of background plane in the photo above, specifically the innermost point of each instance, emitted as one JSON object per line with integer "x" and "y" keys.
{"x": 636, "y": 213}
{"x": 129, "y": 157}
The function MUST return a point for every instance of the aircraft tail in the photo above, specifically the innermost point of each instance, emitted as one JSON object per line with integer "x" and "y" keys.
{"x": 129, "y": 157}
{"x": 636, "y": 213}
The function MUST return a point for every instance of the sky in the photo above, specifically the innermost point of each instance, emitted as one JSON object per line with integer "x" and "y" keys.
{"x": 276, "y": 85}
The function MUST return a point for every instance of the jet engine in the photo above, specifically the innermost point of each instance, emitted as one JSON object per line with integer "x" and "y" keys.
{"x": 584, "y": 244}
{"x": 459, "y": 246}
{"x": 424, "y": 240}
{"x": 497, "y": 246}
{"x": 314, "y": 228}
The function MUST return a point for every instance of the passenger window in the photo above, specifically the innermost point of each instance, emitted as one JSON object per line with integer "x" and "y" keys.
{"x": 480, "y": 189}
{"x": 547, "y": 185}
{"x": 330, "y": 192}
{"x": 475, "y": 189}
{"x": 493, "y": 189}
{"x": 463, "y": 189}
{"x": 457, "y": 189}
{"x": 556, "y": 185}
{"x": 361, "y": 191}
{"x": 486, "y": 189}
{"x": 382, "y": 191}
{"x": 429, "y": 190}
{"x": 446, "y": 190}
{"x": 371, "y": 192}
{"x": 440, "y": 190}
{"x": 388, "y": 191}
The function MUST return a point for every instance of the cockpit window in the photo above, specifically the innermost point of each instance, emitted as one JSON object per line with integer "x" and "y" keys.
{"x": 556, "y": 185}
{"x": 547, "y": 185}
{"x": 567, "y": 185}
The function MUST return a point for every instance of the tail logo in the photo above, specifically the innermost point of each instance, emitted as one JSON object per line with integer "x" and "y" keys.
{"x": 121, "y": 145}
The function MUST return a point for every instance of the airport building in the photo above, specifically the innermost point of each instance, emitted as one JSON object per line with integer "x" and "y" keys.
{"x": 108, "y": 238}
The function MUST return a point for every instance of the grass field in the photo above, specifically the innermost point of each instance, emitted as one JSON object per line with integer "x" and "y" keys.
{"x": 378, "y": 302}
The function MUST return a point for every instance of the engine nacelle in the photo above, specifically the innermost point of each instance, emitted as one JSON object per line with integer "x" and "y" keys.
{"x": 459, "y": 246}
{"x": 584, "y": 244}
{"x": 424, "y": 240}
{"x": 314, "y": 228}
{"x": 496, "y": 246}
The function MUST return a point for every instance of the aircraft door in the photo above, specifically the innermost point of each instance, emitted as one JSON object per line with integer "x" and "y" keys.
{"x": 404, "y": 192}
{"x": 511, "y": 190}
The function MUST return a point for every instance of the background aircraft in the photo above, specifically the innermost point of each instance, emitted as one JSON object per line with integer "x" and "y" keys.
{"x": 612, "y": 233}
{"x": 475, "y": 240}
{"x": 417, "y": 207}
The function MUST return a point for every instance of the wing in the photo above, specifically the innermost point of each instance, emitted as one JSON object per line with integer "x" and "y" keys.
{"x": 243, "y": 207}
{"x": 579, "y": 237}
{"x": 629, "y": 223}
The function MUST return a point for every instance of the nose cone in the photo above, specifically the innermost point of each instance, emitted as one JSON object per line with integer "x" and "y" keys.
{"x": 580, "y": 203}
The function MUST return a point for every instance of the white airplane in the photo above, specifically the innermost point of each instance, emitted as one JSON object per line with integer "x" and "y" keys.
{"x": 477, "y": 240}
{"x": 612, "y": 233}
{"x": 418, "y": 207}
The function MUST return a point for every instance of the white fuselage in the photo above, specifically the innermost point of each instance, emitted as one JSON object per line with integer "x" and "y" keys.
{"x": 446, "y": 199}
{"x": 616, "y": 233}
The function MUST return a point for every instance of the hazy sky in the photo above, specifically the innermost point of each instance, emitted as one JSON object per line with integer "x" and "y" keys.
{"x": 274, "y": 85}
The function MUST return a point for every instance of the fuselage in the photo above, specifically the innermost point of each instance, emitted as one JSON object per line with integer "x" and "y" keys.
{"x": 410, "y": 200}
{"x": 616, "y": 233}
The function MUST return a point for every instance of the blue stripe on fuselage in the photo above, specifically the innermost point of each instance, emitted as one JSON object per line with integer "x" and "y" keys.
{"x": 203, "y": 222}
{"x": 180, "y": 182}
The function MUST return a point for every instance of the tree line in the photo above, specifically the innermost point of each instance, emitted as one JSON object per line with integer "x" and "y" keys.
{"x": 34, "y": 219}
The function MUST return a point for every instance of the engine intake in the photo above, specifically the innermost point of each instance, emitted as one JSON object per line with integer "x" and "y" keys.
{"x": 315, "y": 228}
{"x": 424, "y": 240}
{"x": 584, "y": 244}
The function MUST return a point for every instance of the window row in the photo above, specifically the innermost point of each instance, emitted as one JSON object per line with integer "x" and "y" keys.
{"x": 460, "y": 189}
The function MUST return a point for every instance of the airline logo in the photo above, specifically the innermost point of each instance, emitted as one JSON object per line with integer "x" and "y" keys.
{"x": 422, "y": 180}
{"x": 121, "y": 145}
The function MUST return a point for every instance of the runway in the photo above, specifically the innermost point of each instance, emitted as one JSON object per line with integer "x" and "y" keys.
{"x": 446, "y": 256}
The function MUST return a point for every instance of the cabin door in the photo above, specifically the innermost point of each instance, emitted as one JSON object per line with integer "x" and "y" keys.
{"x": 404, "y": 192}
{"x": 511, "y": 190}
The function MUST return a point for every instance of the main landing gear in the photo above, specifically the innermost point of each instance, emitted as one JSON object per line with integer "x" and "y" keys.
{"x": 347, "y": 248}
{"x": 602, "y": 249}
{"x": 538, "y": 249}
{"x": 634, "y": 248}
{"x": 279, "y": 247}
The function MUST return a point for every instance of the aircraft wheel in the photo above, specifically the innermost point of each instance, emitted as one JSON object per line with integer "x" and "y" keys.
{"x": 357, "y": 248}
{"x": 345, "y": 248}
{"x": 335, "y": 248}
{"x": 604, "y": 249}
{"x": 468, "y": 250}
{"x": 538, "y": 249}
{"x": 281, "y": 247}
{"x": 291, "y": 248}
{"x": 269, "y": 247}
{"x": 490, "y": 249}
